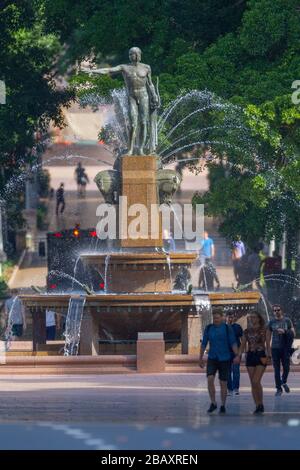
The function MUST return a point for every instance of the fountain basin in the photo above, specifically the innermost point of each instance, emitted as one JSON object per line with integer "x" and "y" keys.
{"x": 181, "y": 317}
{"x": 139, "y": 272}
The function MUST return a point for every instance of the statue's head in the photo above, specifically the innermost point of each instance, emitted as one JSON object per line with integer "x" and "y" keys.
{"x": 135, "y": 54}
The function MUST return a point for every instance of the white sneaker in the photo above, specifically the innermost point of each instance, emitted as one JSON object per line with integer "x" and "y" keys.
{"x": 229, "y": 393}
{"x": 236, "y": 391}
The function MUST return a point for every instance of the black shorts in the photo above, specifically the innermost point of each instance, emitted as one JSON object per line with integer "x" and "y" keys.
{"x": 253, "y": 358}
{"x": 17, "y": 330}
{"x": 223, "y": 367}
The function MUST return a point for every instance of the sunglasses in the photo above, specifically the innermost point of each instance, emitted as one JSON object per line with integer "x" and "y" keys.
{"x": 276, "y": 309}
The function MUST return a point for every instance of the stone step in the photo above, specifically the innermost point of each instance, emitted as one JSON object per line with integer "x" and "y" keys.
{"x": 73, "y": 370}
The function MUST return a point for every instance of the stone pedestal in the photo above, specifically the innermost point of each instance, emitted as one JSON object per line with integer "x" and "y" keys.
{"x": 89, "y": 337}
{"x": 139, "y": 187}
{"x": 150, "y": 353}
{"x": 38, "y": 327}
{"x": 191, "y": 333}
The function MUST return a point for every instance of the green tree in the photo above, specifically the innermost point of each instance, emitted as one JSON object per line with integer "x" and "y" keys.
{"x": 28, "y": 57}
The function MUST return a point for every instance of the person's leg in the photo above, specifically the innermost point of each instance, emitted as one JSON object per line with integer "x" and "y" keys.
{"x": 211, "y": 388}
{"x": 133, "y": 113}
{"x": 57, "y": 206}
{"x": 224, "y": 368}
{"x": 144, "y": 115}
{"x": 285, "y": 358}
{"x": 63, "y": 205}
{"x": 276, "y": 365}
{"x": 256, "y": 383}
{"x": 223, "y": 391}
{"x": 230, "y": 386}
{"x": 251, "y": 372}
{"x": 50, "y": 333}
{"x": 236, "y": 376}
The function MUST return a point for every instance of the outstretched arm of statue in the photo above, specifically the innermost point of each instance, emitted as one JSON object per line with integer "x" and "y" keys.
{"x": 104, "y": 71}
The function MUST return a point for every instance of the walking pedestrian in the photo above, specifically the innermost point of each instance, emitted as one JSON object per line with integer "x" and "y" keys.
{"x": 282, "y": 333}
{"x": 84, "y": 181}
{"x": 207, "y": 247}
{"x": 258, "y": 356}
{"x": 222, "y": 341}
{"x": 15, "y": 313}
{"x": 60, "y": 199}
{"x": 238, "y": 251}
{"x": 79, "y": 175}
{"x": 233, "y": 383}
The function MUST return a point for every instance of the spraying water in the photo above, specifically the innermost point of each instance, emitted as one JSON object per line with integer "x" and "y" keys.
{"x": 203, "y": 309}
{"x": 73, "y": 325}
{"x": 107, "y": 259}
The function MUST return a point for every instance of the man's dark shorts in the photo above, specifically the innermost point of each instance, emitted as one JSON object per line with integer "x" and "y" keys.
{"x": 17, "y": 330}
{"x": 222, "y": 367}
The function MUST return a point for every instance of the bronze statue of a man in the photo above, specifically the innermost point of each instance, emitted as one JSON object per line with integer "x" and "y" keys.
{"x": 143, "y": 100}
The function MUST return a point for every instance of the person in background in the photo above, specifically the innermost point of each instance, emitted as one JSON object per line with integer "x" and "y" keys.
{"x": 84, "y": 181}
{"x": 238, "y": 251}
{"x": 254, "y": 265}
{"x": 207, "y": 276}
{"x": 169, "y": 242}
{"x": 15, "y": 313}
{"x": 258, "y": 356}
{"x": 60, "y": 199}
{"x": 207, "y": 248}
{"x": 282, "y": 333}
{"x": 271, "y": 268}
{"x": 222, "y": 342}
{"x": 50, "y": 325}
{"x": 79, "y": 173}
{"x": 233, "y": 383}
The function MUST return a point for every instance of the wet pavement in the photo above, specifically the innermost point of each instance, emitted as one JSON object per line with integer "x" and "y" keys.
{"x": 163, "y": 411}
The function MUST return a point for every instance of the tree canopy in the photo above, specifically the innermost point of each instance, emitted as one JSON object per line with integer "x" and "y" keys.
{"x": 244, "y": 51}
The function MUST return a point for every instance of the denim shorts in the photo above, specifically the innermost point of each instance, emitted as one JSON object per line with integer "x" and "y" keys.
{"x": 253, "y": 358}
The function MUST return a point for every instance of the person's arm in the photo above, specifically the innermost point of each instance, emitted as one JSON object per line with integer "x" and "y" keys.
{"x": 242, "y": 346}
{"x": 268, "y": 341}
{"x": 232, "y": 342}
{"x": 154, "y": 100}
{"x": 291, "y": 327}
{"x": 103, "y": 71}
{"x": 269, "y": 334}
{"x": 203, "y": 347}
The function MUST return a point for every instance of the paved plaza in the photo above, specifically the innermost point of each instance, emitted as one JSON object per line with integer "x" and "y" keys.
{"x": 165, "y": 411}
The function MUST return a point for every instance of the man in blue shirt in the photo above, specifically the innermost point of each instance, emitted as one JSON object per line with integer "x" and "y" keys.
{"x": 222, "y": 343}
{"x": 207, "y": 248}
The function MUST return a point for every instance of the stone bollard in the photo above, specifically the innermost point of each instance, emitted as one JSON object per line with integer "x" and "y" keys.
{"x": 150, "y": 352}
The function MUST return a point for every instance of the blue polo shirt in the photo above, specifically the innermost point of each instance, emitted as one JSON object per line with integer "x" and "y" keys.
{"x": 206, "y": 247}
{"x": 221, "y": 339}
